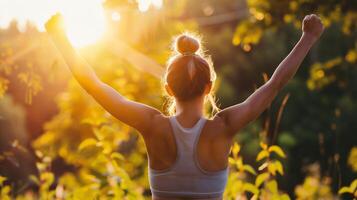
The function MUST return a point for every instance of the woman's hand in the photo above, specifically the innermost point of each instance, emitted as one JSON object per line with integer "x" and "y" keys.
{"x": 55, "y": 25}
{"x": 312, "y": 27}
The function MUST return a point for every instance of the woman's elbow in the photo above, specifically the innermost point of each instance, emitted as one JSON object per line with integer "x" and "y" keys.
{"x": 276, "y": 84}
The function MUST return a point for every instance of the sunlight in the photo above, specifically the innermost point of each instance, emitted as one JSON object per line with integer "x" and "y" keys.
{"x": 116, "y": 16}
{"x": 144, "y": 5}
{"x": 36, "y": 11}
{"x": 84, "y": 19}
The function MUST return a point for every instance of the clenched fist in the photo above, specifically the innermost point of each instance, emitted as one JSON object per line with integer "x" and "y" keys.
{"x": 55, "y": 25}
{"x": 312, "y": 26}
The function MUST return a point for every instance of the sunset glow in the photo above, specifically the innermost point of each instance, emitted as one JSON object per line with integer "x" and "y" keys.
{"x": 84, "y": 19}
{"x": 144, "y": 5}
{"x": 86, "y": 25}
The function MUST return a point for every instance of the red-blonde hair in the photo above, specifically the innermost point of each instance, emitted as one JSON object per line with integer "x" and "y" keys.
{"x": 188, "y": 72}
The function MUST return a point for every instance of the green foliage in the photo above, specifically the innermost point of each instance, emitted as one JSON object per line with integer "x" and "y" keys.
{"x": 32, "y": 81}
{"x": 237, "y": 185}
{"x": 3, "y": 86}
{"x": 265, "y": 186}
{"x": 272, "y": 14}
{"x": 25, "y": 58}
{"x": 93, "y": 149}
{"x": 269, "y": 168}
{"x": 4, "y": 190}
{"x": 352, "y": 189}
{"x": 313, "y": 187}
{"x": 352, "y": 159}
{"x": 321, "y": 92}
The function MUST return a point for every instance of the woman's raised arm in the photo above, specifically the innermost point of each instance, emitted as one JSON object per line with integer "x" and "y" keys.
{"x": 237, "y": 116}
{"x": 136, "y": 115}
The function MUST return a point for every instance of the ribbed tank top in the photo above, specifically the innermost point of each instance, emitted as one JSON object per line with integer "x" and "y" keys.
{"x": 185, "y": 178}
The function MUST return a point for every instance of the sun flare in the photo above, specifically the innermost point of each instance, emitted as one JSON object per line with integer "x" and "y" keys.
{"x": 84, "y": 20}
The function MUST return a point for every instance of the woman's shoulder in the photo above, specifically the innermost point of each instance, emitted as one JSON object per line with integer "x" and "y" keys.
{"x": 160, "y": 122}
{"x": 217, "y": 125}
{"x": 217, "y": 121}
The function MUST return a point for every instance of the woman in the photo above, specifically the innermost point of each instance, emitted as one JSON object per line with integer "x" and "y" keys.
{"x": 187, "y": 153}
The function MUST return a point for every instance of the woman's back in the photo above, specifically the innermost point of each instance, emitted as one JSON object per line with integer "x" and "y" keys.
{"x": 184, "y": 162}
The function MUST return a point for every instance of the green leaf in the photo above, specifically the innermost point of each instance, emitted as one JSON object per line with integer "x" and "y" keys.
{"x": 239, "y": 163}
{"x": 98, "y": 133}
{"x": 255, "y": 197}
{"x": 277, "y": 150}
{"x": 272, "y": 186}
{"x": 3, "y": 86}
{"x": 5, "y": 191}
{"x": 117, "y": 156}
{"x": 231, "y": 161}
{"x": 262, "y": 154}
{"x": 345, "y": 190}
{"x": 107, "y": 147}
{"x": 41, "y": 166}
{"x": 250, "y": 188}
{"x": 272, "y": 168}
{"x": 279, "y": 167}
{"x": 249, "y": 169}
{"x": 351, "y": 189}
{"x": 263, "y": 166}
{"x": 2, "y": 179}
{"x": 47, "y": 177}
{"x": 34, "y": 179}
{"x": 87, "y": 143}
{"x": 285, "y": 197}
{"x": 93, "y": 120}
{"x": 353, "y": 185}
{"x": 235, "y": 149}
{"x": 261, "y": 178}
{"x": 263, "y": 145}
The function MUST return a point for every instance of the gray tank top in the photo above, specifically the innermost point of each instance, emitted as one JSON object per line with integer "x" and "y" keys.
{"x": 185, "y": 178}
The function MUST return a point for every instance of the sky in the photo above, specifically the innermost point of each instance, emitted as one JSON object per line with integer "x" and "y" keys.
{"x": 38, "y": 11}
{"x": 84, "y": 19}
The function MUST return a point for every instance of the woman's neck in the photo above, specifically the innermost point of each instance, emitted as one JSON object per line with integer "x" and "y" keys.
{"x": 190, "y": 110}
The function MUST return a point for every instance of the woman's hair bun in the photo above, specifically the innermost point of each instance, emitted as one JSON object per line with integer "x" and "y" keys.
{"x": 186, "y": 44}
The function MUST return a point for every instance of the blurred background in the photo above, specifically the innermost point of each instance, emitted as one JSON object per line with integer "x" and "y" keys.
{"x": 57, "y": 143}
